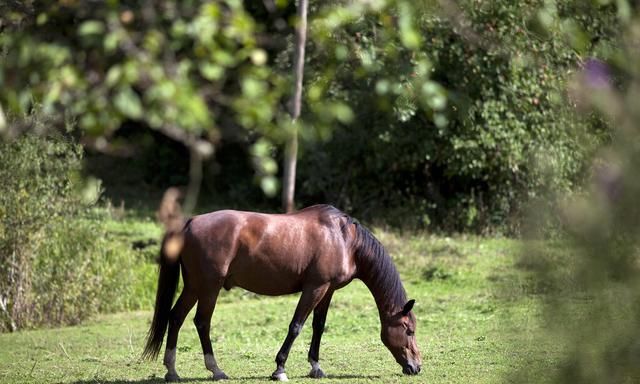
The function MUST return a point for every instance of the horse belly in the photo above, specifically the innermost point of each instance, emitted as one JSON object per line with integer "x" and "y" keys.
{"x": 264, "y": 279}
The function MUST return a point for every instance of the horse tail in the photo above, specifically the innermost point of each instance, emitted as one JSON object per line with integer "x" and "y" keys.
{"x": 171, "y": 216}
{"x": 167, "y": 287}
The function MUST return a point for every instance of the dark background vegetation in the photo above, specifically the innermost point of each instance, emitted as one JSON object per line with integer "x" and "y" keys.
{"x": 451, "y": 123}
{"x": 465, "y": 151}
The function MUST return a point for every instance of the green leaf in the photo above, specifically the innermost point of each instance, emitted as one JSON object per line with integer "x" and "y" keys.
{"x": 269, "y": 165}
{"x": 382, "y": 87}
{"x": 253, "y": 88}
{"x": 342, "y": 112}
{"x": 128, "y": 103}
{"x": 578, "y": 39}
{"x": 408, "y": 35}
{"x": 341, "y": 52}
{"x": 91, "y": 27}
{"x": 624, "y": 10}
{"x": 211, "y": 71}
{"x": 42, "y": 19}
{"x": 91, "y": 190}
{"x": 269, "y": 185}
{"x": 113, "y": 75}
{"x": 261, "y": 148}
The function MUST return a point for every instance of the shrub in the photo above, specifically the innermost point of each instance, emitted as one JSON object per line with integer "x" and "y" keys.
{"x": 77, "y": 273}
{"x": 38, "y": 189}
{"x": 55, "y": 266}
{"x": 505, "y": 134}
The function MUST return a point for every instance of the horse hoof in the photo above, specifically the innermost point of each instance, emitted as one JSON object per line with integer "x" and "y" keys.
{"x": 317, "y": 373}
{"x": 171, "y": 378}
{"x": 279, "y": 376}
{"x": 220, "y": 376}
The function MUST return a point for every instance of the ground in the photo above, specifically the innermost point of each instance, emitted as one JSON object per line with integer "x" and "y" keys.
{"x": 479, "y": 321}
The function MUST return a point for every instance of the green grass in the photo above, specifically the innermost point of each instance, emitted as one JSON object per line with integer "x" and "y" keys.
{"x": 478, "y": 322}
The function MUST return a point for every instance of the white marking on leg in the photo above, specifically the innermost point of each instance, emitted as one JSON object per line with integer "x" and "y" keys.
{"x": 281, "y": 377}
{"x": 170, "y": 362}
{"x": 315, "y": 372}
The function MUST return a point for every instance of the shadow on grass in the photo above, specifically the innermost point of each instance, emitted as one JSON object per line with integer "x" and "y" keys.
{"x": 156, "y": 380}
{"x": 348, "y": 377}
{"x": 153, "y": 380}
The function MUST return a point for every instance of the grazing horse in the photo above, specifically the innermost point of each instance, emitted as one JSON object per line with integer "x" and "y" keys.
{"x": 315, "y": 251}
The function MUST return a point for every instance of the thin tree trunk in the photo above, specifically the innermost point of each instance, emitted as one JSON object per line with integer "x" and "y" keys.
{"x": 291, "y": 152}
{"x": 3, "y": 123}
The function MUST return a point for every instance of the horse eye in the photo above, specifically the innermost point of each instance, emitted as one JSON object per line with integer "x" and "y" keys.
{"x": 410, "y": 332}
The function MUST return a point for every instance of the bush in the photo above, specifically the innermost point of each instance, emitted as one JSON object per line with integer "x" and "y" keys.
{"x": 505, "y": 134}
{"x": 78, "y": 272}
{"x": 55, "y": 266}
{"x": 39, "y": 188}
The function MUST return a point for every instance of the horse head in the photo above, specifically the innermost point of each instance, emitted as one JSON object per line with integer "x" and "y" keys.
{"x": 398, "y": 335}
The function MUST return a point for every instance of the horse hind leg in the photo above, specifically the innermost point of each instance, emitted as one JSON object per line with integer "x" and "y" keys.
{"x": 202, "y": 321}
{"x": 319, "y": 319}
{"x": 183, "y": 305}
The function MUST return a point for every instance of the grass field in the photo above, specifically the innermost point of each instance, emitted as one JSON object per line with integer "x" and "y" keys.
{"x": 478, "y": 322}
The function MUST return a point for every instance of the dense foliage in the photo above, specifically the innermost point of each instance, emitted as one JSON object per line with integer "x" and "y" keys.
{"x": 503, "y": 134}
{"x": 55, "y": 268}
{"x": 37, "y": 189}
{"x": 192, "y": 70}
{"x": 444, "y": 121}
{"x": 448, "y": 122}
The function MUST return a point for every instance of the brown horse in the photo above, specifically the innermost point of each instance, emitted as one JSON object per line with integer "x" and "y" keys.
{"x": 314, "y": 251}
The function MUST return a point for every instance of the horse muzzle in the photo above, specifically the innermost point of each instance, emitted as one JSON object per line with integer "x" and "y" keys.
{"x": 411, "y": 369}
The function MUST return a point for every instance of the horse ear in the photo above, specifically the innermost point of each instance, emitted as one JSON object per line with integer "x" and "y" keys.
{"x": 407, "y": 307}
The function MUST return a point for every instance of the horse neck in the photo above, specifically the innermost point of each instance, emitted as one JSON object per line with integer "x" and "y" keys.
{"x": 377, "y": 272}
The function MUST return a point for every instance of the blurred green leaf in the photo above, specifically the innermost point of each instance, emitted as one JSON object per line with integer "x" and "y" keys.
{"x": 624, "y": 10}
{"x": 408, "y": 34}
{"x": 91, "y": 190}
{"x": 269, "y": 185}
{"x": 253, "y": 88}
{"x": 211, "y": 71}
{"x": 578, "y": 39}
{"x": 114, "y": 74}
{"x": 128, "y": 103}
{"x": 91, "y": 27}
{"x": 342, "y": 112}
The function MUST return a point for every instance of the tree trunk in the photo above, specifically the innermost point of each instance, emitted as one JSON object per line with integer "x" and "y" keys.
{"x": 3, "y": 122}
{"x": 291, "y": 152}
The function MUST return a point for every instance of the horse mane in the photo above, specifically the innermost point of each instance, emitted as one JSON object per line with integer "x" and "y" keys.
{"x": 375, "y": 266}
{"x": 377, "y": 270}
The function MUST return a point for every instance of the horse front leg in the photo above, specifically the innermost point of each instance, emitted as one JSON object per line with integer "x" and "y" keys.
{"x": 202, "y": 321}
{"x": 309, "y": 299}
{"x": 319, "y": 319}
